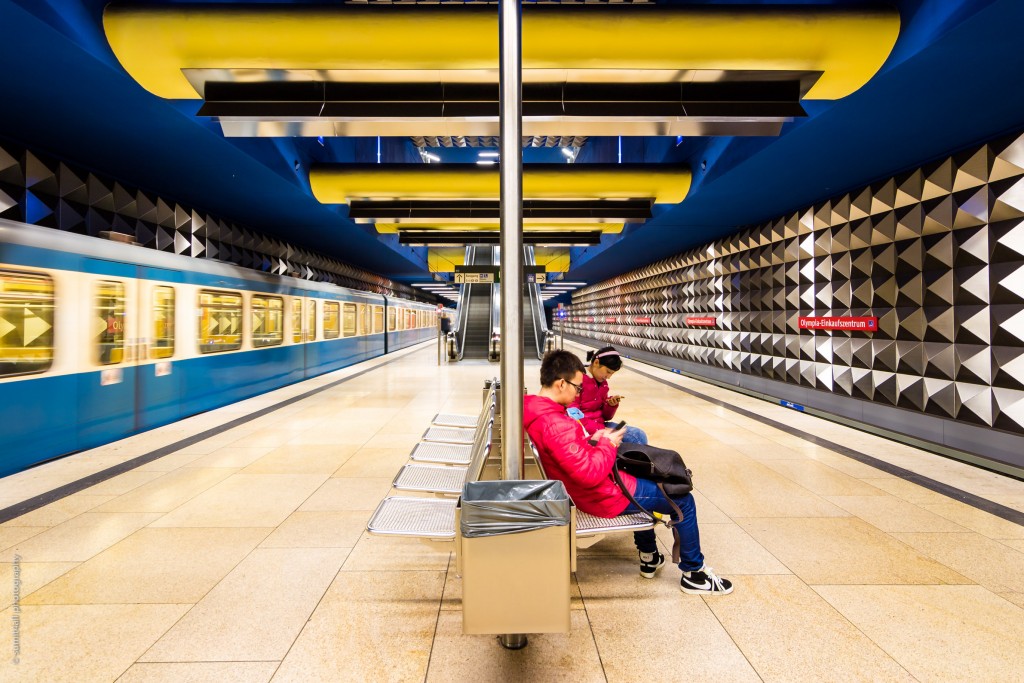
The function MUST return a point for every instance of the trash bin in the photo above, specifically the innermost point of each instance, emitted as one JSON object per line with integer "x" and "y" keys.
{"x": 515, "y": 554}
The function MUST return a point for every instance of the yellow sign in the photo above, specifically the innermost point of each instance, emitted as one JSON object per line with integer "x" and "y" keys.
{"x": 474, "y": 278}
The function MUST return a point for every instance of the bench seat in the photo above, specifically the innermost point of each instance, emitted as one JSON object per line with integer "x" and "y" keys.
{"x": 442, "y": 479}
{"x": 454, "y": 420}
{"x": 432, "y": 518}
{"x": 445, "y": 453}
{"x": 456, "y": 435}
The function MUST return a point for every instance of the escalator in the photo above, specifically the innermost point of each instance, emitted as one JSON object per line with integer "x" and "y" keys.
{"x": 535, "y": 329}
{"x": 476, "y": 335}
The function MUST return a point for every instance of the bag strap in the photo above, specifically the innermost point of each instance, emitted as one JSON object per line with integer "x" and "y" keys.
{"x": 670, "y": 524}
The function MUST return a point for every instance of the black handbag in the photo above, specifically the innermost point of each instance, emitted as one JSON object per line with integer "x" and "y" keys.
{"x": 666, "y": 469}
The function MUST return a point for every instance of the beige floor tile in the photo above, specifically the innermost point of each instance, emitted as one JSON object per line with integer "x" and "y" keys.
{"x": 847, "y": 465}
{"x": 374, "y": 462}
{"x": 612, "y": 545}
{"x": 200, "y": 672}
{"x": 555, "y": 657}
{"x": 892, "y": 514}
{"x": 123, "y": 483}
{"x": 753, "y": 490}
{"x": 265, "y": 437}
{"x": 232, "y": 456}
{"x": 382, "y": 622}
{"x": 938, "y": 633}
{"x": 788, "y": 633}
{"x": 401, "y": 440}
{"x": 256, "y": 612}
{"x": 175, "y": 460}
{"x": 988, "y": 562}
{"x": 707, "y": 512}
{"x": 977, "y": 520}
{"x": 81, "y": 537}
{"x": 908, "y": 491}
{"x": 10, "y": 535}
{"x": 31, "y": 577}
{"x": 348, "y": 494}
{"x": 1015, "y": 543}
{"x": 771, "y": 451}
{"x": 83, "y": 642}
{"x": 635, "y": 620}
{"x": 731, "y": 550}
{"x": 1012, "y": 596}
{"x": 845, "y": 551}
{"x": 822, "y": 479}
{"x": 59, "y": 511}
{"x": 169, "y": 491}
{"x": 389, "y": 554}
{"x": 154, "y": 566}
{"x": 245, "y": 500}
{"x": 302, "y": 460}
{"x": 321, "y": 529}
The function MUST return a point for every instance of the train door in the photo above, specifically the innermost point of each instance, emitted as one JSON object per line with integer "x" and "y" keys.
{"x": 106, "y": 393}
{"x": 158, "y": 386}
{"x": 309, "y": 335}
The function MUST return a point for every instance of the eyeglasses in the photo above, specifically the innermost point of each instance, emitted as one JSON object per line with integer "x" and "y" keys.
{"x": 577, "y": 387}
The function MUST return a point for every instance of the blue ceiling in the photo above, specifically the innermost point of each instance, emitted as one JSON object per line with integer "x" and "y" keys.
{"x": 952, "y": 80}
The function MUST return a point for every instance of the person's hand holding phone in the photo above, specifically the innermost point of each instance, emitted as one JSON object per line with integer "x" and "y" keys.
{"x": 613, "y": 400}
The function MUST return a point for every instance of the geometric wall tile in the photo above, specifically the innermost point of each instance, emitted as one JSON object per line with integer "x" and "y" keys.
{"x": 974, "y": 403}
{"x": 941, "y": 360}
{"x": 886, "y": 386}
{"x": 1009, "y": 409}
{"x": 938, "y": 179}
{"x": 910, "y": 391}
{"x": 1008, "y": 283}
{"x": 940, "y": 397}
{"x": 1008, "y": 367}
{"x": 1009, "y": 325}
{"x": 1007, "y": 200}
{"x": 973, "y": 324}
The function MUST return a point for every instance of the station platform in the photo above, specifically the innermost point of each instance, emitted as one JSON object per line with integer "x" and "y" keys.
{"x": 231, "y": 546}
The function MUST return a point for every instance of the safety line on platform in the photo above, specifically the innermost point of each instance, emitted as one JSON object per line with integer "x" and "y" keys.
{"x": 975, "y": 501}
{"x": 43, "y": 499}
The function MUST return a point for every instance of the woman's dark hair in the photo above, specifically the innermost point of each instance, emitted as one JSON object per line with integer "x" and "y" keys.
{"x": 559, "y": 365}
{"x": 613, "y": 361}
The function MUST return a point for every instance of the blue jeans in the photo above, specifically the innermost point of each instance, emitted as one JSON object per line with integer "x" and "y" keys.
{"x": 633, "y": 434}
{"x": 650, "y": 496}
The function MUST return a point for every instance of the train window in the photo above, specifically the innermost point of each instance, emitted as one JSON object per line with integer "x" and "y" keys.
{"x": 163, "y": 323}
{"x": 332, "y": 319}
{"x": 220, "y": 321}
{"x": 378, "y": 319}
{"x": 391, "y": 320}
{"x": 348, "y": 322}
{"x": 267, "y": 321}
{"x": 110, "y": 312}
{"x": 401, "y": 318}
{"x": 26, "y": 323}
{"x": 310, "y": 319}
{"x": 296, "y": 320}
{"x": 361, "y": 319}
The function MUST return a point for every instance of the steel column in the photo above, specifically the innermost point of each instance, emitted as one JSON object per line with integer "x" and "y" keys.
{"x": 511, "y": 125}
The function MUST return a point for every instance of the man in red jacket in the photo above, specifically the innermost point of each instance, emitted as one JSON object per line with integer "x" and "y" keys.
{"x": 567, "y": 455}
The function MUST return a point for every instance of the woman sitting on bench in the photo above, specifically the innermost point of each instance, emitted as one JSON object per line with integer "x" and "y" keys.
{"x": 566, "y": 454}
{"x": 597, "y": 406}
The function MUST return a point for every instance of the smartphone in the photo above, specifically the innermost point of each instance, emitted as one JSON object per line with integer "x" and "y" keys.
{"x": 593, "y": 442}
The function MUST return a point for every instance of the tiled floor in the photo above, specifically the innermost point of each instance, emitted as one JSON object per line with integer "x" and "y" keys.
{"x": 244, "y": 557}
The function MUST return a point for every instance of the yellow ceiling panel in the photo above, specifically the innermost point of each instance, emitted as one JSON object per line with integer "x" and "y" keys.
{"x": 607, "y": 228}
{"x": 340, "y": 184}
{"x": 154, "y": 43}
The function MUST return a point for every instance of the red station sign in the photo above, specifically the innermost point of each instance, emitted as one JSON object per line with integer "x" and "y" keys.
{"x": 698, "y": 321}
{"x": 611, "y": 320}
{"x": 644, "y": 320}
{"x": 846, "y": 323}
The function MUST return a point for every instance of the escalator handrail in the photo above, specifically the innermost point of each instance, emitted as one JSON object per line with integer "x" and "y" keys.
{"x": 463, "y": 312}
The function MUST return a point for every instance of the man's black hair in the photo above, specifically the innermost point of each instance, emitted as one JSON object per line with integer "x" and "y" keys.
{"x": 613, "y": 363}
{"x": 559, "y": 365}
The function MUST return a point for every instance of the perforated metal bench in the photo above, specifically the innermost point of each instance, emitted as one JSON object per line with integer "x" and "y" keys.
{"x": 454, "y": 420}
{"x": 456, "y": 435}
{"x": 446, "y": 453}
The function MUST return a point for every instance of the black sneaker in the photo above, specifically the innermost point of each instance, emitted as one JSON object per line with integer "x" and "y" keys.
{"x": 704, "y": 582}
{"x": 650, "y": 563}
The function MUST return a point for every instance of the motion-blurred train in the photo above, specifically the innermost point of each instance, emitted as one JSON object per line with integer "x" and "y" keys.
{"x": 100, "y": 340}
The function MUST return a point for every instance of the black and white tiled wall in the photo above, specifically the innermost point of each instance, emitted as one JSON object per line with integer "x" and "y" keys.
{"x": 937, "y": 254}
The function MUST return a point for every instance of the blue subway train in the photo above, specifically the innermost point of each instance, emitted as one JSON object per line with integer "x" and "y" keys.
{"x": 100, "y": 340}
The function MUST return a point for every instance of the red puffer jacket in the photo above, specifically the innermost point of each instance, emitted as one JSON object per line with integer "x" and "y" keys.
{"x": 584, "y": 469}
{"x": 592, "y": 403}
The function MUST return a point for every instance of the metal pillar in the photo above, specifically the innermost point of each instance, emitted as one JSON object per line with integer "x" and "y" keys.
{"x": 511, "y": 125}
